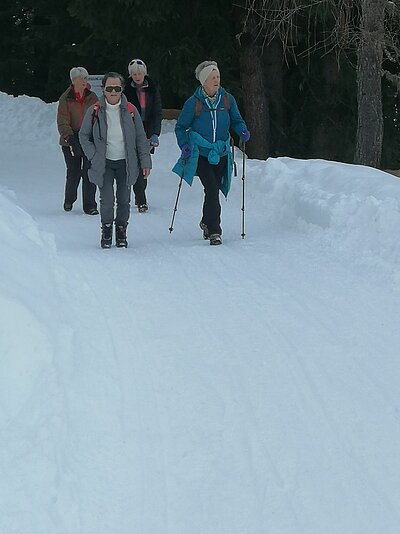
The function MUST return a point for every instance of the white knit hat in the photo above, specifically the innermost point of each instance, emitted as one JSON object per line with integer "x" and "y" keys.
{"x": 75, "y": 72}
{"x": 137, "y": 65}
{"x": 204, "y": 69}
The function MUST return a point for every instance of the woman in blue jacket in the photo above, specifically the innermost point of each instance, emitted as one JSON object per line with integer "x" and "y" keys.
{"x": 202, "y": 132}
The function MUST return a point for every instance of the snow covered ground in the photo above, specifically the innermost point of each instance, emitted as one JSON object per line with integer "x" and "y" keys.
{"x": 178, "y": 388}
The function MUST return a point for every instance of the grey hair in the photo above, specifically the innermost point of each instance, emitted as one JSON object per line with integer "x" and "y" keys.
{"x": 137, "y": 65}
{"x": 77, "y": 72}
{"x": 201, "y": 66}
{"x": 112, "y": 75}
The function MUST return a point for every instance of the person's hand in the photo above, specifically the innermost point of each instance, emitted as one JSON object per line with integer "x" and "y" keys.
{"x": 87, "y": 164}
{"x": 244, "y": 135}
{"x": 75, "y": 146}
{"x": 186, "y": 152}
{"x": 154, "y": 141}
{"x": 146, "y": 172}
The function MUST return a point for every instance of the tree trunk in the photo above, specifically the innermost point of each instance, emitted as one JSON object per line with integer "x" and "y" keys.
{"x": 255, "y": 101}
{"x": 327, "y": 127}
{"x": 273, "y": 76}
{"x": 369, "y": 82}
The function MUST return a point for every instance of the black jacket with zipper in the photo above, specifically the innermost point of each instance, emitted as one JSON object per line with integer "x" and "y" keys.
{"x": 153, "y": 111}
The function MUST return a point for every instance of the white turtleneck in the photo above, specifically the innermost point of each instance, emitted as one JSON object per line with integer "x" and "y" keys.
{"x": 115, "y": 138}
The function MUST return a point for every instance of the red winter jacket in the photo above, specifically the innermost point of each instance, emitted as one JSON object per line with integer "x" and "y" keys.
{"x": 71, "y": 112}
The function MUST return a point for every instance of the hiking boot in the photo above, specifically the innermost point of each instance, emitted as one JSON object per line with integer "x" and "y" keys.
{"x": 120, "y": 236}
{"x": 142, "y": 208}
{"x": 215, "y": 239}
{"x": 203, "y": 226}
{"x": 92, "y": 211}
{"x": 106, "y": 235}
{"x": 67, "y": 206}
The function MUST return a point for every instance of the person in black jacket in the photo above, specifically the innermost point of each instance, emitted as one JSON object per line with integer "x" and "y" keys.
{"x": 143, "y": 93}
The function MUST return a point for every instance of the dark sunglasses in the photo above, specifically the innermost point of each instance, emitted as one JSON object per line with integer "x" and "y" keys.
{"x": 137, "y": 61}
{"x": 111, "y": 88}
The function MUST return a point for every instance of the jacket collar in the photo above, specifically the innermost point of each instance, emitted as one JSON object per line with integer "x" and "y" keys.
{"x": 71, "y": 93}
{"x": 102, "y": 101}
{"x": 145, "y": 84}
{"x": 199, "y": 93}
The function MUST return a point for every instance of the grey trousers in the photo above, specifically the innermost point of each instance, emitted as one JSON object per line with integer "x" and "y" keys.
{"x": 115, "y": 170}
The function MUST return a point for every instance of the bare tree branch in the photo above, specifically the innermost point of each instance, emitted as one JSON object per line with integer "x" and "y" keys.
{"x": 284, "y": 20}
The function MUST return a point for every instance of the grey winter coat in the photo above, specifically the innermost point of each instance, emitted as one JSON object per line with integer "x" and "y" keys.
{"x": 93, "y": 138}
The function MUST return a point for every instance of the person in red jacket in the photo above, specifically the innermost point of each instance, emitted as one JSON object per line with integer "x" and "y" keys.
{"x": 72, "y": 106}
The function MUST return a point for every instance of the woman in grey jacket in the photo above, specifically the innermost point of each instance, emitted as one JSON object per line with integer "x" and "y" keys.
{"x": 113, "y": 139}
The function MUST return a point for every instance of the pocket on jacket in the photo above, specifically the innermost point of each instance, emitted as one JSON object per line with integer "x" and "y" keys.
{"x": 94, "y": 162}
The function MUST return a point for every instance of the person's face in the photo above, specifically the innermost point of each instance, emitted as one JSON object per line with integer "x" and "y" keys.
{"x": 212, "y": 84}
{"x": 80, "y": 84}
{"x": 138, "y": 77}
{"x": 112, "y": 96}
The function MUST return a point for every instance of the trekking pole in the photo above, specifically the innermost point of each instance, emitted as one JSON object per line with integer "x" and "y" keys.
{"x": 233, "y": 157}
{"x": 176, "y": 205}
{"x": 243, "y": 177}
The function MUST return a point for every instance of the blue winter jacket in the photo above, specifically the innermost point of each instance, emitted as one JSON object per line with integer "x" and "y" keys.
{"x": 208, "y": 133}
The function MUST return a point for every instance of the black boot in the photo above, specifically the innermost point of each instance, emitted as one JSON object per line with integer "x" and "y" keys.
{"x": 106, "y": 235}
{"x": 142, "y": 208}
{"x": 204, "y": 227}
{"x": 120, "y": 235}
{"x": 215, "y": 239}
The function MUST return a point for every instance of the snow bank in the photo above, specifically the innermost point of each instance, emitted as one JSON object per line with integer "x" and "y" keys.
{"x": 27, "y": 288}
{"x": 28, "y": 119}
{"x": 30, "y": 327}
{"x": 353, "y": 210}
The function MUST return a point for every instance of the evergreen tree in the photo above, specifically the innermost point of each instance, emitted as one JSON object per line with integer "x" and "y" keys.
{"x": 171, "y": 37}
{"x": 291, "y": 63}
{"x": 37, "y": 47}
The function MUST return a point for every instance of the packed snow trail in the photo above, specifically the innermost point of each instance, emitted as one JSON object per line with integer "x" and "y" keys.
{"x": 250, "y": 388}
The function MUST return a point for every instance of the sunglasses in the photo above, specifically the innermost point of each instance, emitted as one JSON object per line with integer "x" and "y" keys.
{"x": 137, "y": 61}
{"x": 111, "y": 88}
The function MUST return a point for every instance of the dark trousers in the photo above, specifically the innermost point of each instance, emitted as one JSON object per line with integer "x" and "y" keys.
{"x": 139, "y": 189}
{"x": 211, "y": 178}
{"x": 115, "y": 171}
{"x": 77, "y": 168}
{"x": 141, "y": 183}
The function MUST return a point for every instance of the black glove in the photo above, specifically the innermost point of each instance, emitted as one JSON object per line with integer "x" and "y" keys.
{"x": 87, "y": 164}
{"x": 74, "y": 145}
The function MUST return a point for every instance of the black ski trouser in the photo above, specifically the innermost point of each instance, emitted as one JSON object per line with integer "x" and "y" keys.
{"x": 77, "y": 168}
{"x": 139, "y": 189}
{"x": 211, "y": 177}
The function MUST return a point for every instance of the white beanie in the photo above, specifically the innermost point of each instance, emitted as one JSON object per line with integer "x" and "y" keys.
{"x": 137, "y": 65}
{"x": 204, "y": 69}
{"x": 75, "y": 72}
